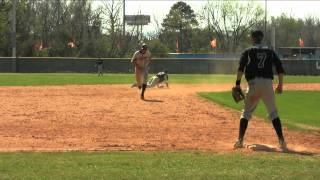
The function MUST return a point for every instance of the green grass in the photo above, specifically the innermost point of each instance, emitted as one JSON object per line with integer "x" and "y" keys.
{"x": 296, "y": 108}
{"x": 222, "y": 78}
{"x": 31, "y": 79}
{"x": 160, "y": 165}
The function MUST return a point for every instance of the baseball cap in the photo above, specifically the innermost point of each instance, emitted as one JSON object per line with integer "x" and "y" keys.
{"x": 144, "y": 46}
{"x": 257, "y": 34}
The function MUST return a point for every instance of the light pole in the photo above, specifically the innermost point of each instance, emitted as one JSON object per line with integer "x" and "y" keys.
{"x": 124, "y": 18}
{"x": 265, "y": 17}
{"x": 13, "y": 36}
{"x": 13, "y": 33}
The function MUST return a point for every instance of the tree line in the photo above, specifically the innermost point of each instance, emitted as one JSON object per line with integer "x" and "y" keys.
{"x": 69, "y": 28}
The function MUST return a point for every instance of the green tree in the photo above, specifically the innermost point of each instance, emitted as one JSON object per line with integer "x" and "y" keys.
{"x": 200, "y": 40}
{"x": 310, "y": 32}
{"x": 44, "y": 26}
{"x": 5, "y": 29}
{"x": 288, "y": 30}
{"x": 177, "y": 26}
{"x": 158, "y": 49}
{"x": 80, "y": 12}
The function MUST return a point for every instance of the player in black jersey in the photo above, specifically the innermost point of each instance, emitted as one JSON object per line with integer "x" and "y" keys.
{"x": 256, "y": 63}
{"x": 99, "y": 65}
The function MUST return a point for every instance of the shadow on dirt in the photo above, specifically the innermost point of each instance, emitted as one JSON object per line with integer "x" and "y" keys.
{"x": 153, "y": 100}
{"x": 267, "y": 148}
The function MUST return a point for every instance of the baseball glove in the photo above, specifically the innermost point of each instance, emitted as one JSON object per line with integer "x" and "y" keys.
{"x": 237, "y": 94}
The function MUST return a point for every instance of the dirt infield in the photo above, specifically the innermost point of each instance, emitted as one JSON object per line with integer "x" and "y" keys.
{"x": 112, "y": 117}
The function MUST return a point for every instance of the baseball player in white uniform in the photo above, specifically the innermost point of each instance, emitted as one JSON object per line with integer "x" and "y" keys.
{"x": 141, "y": 60}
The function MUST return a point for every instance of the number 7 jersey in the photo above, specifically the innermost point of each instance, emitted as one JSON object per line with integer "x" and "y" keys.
{"x": 258, "y": 61}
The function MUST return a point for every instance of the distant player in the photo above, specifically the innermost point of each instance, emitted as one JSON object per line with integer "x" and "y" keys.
{"x": 141, "y": 60}
{"x": 99, "y": 65}
{"x": 257, "y": 62}
{"x": 158, "y": 79}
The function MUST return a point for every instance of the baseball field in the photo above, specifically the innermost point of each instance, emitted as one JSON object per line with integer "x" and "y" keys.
{"x": 80, "y": 126}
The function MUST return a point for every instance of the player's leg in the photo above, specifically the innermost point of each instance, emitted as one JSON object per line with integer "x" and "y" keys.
{"x": 268, "y": 98}
{"x": 160, "y": 83}
{"x": 134, "y": 85}
{"x": 250, "y": 103}
{"x": 144, "y": 82}
{"x": 154, "y": 82}
{"x": 242, "y": 130}
{"x": 100, "y": 70}
{"x": 150, "y": 82}
{"x": 278, "y": 128}
{"x": 138, "y": 77}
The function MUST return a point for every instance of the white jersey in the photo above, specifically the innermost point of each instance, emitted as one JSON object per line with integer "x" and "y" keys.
{"x": 140, "y": 59}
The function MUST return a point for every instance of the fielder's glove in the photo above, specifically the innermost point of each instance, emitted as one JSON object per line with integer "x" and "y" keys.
{"x": 237, "y": 94}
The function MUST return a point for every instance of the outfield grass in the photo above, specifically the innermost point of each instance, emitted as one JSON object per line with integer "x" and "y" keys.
{"x": 31, "y": 79}
{"x": 296, "y": 108}
{"x": 160, "y": 165}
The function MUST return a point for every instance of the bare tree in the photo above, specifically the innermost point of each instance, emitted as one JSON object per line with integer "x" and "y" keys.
{"x": 310, "y": 31}
{"x": 231, "y": 20}
{"x": 158, "y": 25}
{"x": 112, "y": 10}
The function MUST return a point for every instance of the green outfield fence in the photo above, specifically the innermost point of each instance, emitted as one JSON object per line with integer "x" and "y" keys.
{"x": 123, "y": 65}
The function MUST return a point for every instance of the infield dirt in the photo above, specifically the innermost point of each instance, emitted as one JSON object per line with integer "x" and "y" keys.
{"x": 112, "y": 117}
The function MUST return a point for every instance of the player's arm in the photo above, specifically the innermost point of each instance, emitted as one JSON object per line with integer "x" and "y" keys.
{"x": 148, "y": 58}
{"x": 279, "y": 88}
{"x": 167, "y": 84}
{"x": 280, "y": 78}
{"x": 280, "y": 71}
{"x": 242, "y": 65}
{"x": 134, "y": 58}
{"x": 239, "y": 77}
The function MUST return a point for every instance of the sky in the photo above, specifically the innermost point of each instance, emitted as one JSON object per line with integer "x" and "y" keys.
{"x": 159, "y": 8}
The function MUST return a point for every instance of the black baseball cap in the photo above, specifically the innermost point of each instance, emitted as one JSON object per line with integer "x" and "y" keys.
{"x": 257, "y": 34}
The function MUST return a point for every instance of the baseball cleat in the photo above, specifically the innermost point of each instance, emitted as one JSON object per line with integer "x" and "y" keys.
{"x": 142, "y": 97}
{"x": 238, "y": 144}
{"x": 283, "y": 145}
{"x": 134, "y": 85}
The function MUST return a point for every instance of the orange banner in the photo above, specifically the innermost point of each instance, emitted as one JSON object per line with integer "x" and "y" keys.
{"x": 214, "y": 43}
{"x": 301, "y": 42}
{"x": 177, "y": 45}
